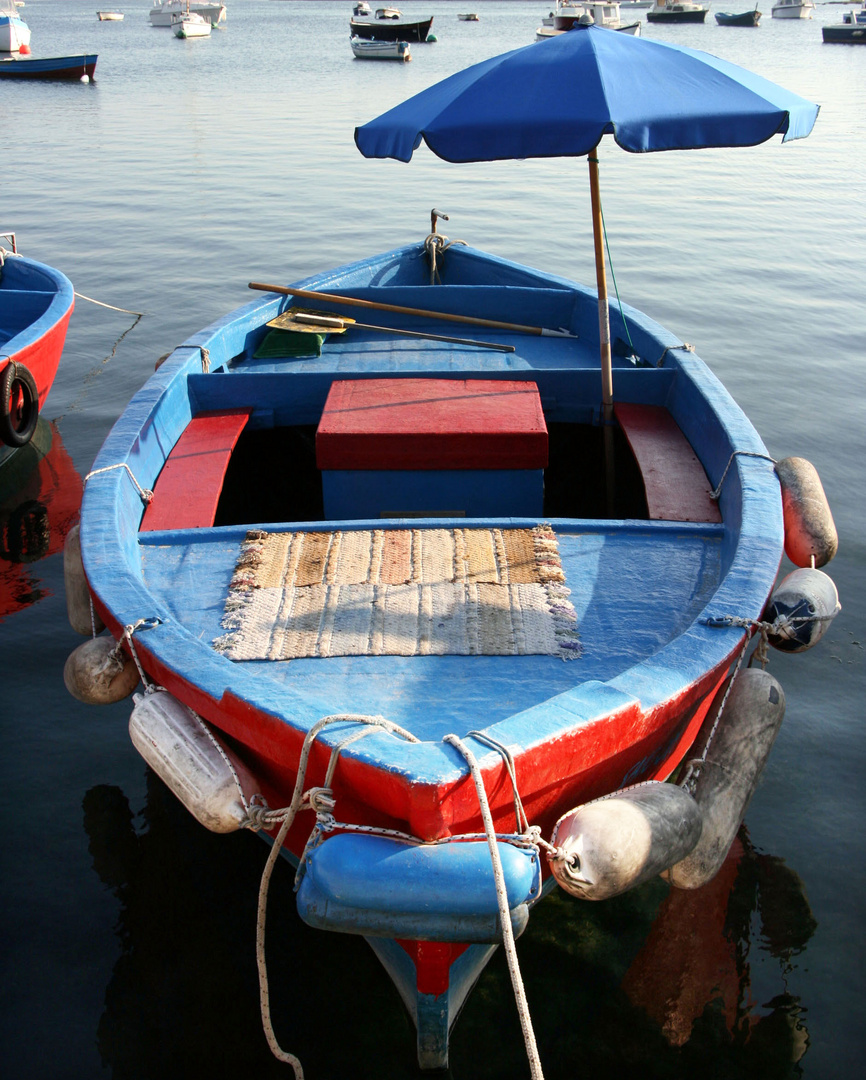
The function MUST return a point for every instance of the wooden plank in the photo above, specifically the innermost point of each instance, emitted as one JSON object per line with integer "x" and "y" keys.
{"x": 432, "y": 424}
{"x": 187, "y": 490}
{"x": 677, "y": 488}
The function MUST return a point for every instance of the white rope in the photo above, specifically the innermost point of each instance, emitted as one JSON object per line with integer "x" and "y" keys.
{"x": 111, "y": 307}
{"x": 288, "y": 816}
{"x": 504, "y": 912}
{"x": 145, "y": 493}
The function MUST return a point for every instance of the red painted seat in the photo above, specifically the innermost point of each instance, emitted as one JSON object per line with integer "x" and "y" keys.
{"x": 677, "y": 488}
{"x": 187, "y": 490}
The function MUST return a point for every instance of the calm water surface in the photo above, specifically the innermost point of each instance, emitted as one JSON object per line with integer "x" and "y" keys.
{"x": 191, "y": 168}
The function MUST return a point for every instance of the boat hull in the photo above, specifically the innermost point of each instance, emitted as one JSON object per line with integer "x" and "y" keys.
{"x": 50, "y": 67}
{"x": 844, "y": 35}
{"x": 381, "y": 50}
{"x": 676, "y": 16}
{"x": 627, "y": 710}
{"x": 747, "y": 18}
{"x": 36, "y": 302}
{"x": 391, "y": 30}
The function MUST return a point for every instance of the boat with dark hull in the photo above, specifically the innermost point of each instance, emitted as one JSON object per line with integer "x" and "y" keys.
{"x": 745, "y": 18}
{"x": 391, "y": 29}
{"x": 69, "y": 68}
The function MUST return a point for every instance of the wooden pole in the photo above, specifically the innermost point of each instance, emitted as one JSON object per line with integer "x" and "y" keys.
{"x": 603, "y": 331}
{"x": 332, "y": 298}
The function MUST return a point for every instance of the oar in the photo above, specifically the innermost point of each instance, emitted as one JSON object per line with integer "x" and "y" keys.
{"x": 309, "y": 294}
{"x": 335, "y": 324}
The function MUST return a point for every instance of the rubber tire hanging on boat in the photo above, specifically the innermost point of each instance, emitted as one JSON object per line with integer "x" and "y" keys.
{"x": 16, "y": 379}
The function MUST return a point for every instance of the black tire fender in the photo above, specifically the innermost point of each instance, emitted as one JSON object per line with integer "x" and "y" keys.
{"x": 19, "y": 405}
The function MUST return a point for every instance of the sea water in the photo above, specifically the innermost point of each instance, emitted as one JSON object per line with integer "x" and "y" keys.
{"x": 188, "y": 169}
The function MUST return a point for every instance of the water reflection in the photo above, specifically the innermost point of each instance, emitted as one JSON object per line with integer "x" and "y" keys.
{"x": 40, "y": 496}
{"x": 654, "y": 983}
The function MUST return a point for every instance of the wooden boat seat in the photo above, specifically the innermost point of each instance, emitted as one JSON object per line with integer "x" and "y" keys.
{"x": 187, "y": 490}
{"x": 676, "y": 486}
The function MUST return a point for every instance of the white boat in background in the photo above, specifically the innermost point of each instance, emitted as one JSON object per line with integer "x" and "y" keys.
{"x": 14, "y": 31}
{"x": 365, "y": 49}
{"x": 388, "y": 13}
{"x": 568, "y": 14}
{"x": 110, "y": 16}
{"x": 191, "y": 25}
{"x": 793, "y": 9}
{"x": 471, "y": 17}
{"x": 163, "y": 10}
{"x": 677, "y": 11}
{"x": 361, "y": 9}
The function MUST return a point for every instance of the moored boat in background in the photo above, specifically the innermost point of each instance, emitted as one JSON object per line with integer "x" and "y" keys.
{"x": 392, "y": 29}
{"x": 110, "y": 16}
{"x": 850, "y": 31}
{"x": 793, "y": 9}
{"x": 380, "y": 50}
{"x": 190, "y": 25}
{"x": 68, "y": 68}
{"x": 568, "y": 15}
{"x": 677, "y": 11}
{"x": 14, "y": 31}
{"x": 745, "y": 18}
{"x": 163, "y": 11}
{"x": 36, "y": 302}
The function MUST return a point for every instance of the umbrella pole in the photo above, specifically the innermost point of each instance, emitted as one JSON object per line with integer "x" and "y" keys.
{"x": 603, "y": 330}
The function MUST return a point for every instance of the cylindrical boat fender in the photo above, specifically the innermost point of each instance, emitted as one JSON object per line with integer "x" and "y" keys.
{"x": 82, "y": 618}
{"x": 611, "y": 845}
{"x": 727, "y": 778}
{"x": 95, "y": 673}
{"x": 801, "y": 609}
{"x": 192, "y": 764}
{"x": 810, "y": 532}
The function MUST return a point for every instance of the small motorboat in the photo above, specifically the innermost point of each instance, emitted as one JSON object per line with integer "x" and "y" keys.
{"x": 745, "y": 18}
{"x": 677, "y": 11}
{"x": 391, "y": 30}
{"x": 70, "y": 68}
{"x": 568, "y": 15}
{"x": 388, "y": 13}
{"x": 793, "y": 9}
{"x": 191, "y": 25}
{"x": 360, "y": 10}
{"x": 380, "y": 50}
{"x": 14, "y": 31}
{"x": 36, "y": 302}
{"x": 469, "y": 17}
{"x": 110, "y": 16}
{"x": 851, "y": 30}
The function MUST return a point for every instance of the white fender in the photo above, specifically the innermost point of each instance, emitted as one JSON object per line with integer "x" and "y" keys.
{"x": 196, "y": 767}
{"x": 727, "y": 779}
{"x": 613, "y": 844}
{"x": 810, "y": 532}
{"x": 95, "y": 674}
{"x": 801, "y": 609}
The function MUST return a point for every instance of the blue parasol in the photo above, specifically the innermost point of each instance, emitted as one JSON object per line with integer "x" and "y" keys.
{"x": 558, "y": 98}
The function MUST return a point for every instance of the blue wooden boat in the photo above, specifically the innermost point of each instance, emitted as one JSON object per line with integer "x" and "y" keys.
{"x": 79, "y": 67}
{"x": 36, "y": 302}
{"x": 394, "y": 603}
{"x": 744, "y": 18}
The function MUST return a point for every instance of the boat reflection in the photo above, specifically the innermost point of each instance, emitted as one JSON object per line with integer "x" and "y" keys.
{"x": 40, "y": 497}
{"x": 657, "y": 981}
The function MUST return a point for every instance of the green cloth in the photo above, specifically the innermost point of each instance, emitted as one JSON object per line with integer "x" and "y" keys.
{"x": 277, "y": 344}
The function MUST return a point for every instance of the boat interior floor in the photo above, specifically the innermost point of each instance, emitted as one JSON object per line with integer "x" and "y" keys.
{"x": 634, "y": 586}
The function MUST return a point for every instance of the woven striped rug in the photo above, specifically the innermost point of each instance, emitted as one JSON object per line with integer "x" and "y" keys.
{"x": 399, "y": 592}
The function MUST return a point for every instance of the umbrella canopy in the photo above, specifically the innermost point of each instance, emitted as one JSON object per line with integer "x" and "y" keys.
{"x": 558, "y": 97}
